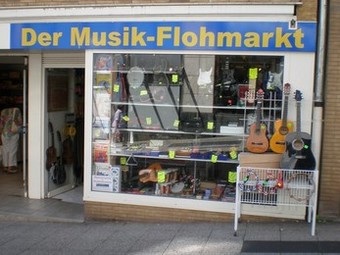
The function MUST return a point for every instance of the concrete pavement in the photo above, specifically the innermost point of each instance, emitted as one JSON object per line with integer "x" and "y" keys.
{"x": 53, "y": 226}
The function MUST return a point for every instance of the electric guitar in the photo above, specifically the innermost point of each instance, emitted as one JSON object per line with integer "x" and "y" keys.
{"x": 257, "y": 141}
{"x": 298, "y": 153}
{"x": 282, "y": 127}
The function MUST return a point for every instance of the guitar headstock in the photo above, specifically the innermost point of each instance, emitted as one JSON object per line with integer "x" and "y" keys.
{"x": 259, "y": 95}
{"x": 298, "y": 95}
{"x": 59, "y": 136}
{"x": 250, "y": 96}
{"x": 50, "y": 127}
{"x": 286, "y": 89}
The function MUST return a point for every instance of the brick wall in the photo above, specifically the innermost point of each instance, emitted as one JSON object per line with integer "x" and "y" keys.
{"x": 120, "y": 212}
{"x": 306, "y": 10}
{"x": 329, "y": 201}
{"x": 106, "y": 211}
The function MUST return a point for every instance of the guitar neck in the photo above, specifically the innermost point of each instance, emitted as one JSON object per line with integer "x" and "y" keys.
{"x": 52, "y": 137}
{"x": 258, "y": 116}
{"x": 285, "y": 111}
{"x": 298, "y": 120}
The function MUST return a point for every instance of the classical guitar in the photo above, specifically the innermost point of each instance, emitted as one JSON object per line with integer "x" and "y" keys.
{"x": 282, "y": 127}
{"x": 150, "y": 173}
{"x": 51, "y": 152}
{"x": 257, "y": 141}
{"x": 298, "y": 153}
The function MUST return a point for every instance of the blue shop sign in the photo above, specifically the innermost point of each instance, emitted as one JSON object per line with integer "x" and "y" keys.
{"x": 176, "y": 36}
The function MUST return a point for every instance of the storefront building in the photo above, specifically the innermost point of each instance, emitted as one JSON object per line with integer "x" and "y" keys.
{"x": 166, "y": 97}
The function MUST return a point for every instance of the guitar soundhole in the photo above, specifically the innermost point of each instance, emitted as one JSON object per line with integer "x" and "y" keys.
{"x": 298, "y": 144}
{"x": 284, "y": 130}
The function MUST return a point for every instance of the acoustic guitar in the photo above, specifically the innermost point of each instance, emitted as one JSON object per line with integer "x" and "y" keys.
{"x": 257, "y": 141}
{"x": 298, "y": 153}
{"x": 149, "y": 174}
{"x": 282, "y": 127}
{"x": 51, "y": 152}
{"x": 59, "y": 173}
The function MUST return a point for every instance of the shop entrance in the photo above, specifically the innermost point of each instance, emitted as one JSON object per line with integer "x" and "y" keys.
{"x": 13, "y": 105}
{"x": 64, "y": 132}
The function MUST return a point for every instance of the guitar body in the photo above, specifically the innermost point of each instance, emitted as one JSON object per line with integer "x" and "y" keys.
{"x": 59, "y": 173}
{"x": 282, "y": 127}
{"x": 51, "y": 152}
{"x": 277, "y": 141}
{"x": 298, "y": 153}
{"x": 149, "y": 174}
{"x": 67, "y": 151}
{"x": 257, "y": 141}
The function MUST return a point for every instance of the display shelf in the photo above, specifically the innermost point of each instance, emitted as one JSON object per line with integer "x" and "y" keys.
{"x": 179, "y": 158}
{"x": 240, "y": 108}
{"x": 164, "y": 99}
{"x": 11, "y": 86}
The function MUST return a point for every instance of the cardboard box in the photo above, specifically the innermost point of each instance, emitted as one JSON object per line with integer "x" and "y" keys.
{"x": 207, "y": 185}
{"x": 262, "y": 160}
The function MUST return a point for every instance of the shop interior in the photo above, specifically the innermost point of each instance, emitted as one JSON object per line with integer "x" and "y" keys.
{"x": 65, "y": 111}
{"x": 13, "y": 94}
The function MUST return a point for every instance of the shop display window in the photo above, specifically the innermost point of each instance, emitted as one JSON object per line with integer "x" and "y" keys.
{"x": 173, "y": 125}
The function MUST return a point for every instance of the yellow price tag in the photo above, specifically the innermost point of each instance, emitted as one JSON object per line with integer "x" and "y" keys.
{"x": 233, "y": 154}
{"x": 143, "y": 92}
{"x": 210, "y": 125}
{"x": 123, "y": 161}
{"x": 214, "y": 158}
{"x": 116, "y": 88}
{"x": 126, "y": 118}
{"x": 172, "y": 154}
{"x": 232, "y": 177}
{"x": 148, "y": 121}
{"x": 252, "y": 73}
{"x": 176, "y": 123}
{"x": 161, "y": 176}
{"x": 174, "y": 78}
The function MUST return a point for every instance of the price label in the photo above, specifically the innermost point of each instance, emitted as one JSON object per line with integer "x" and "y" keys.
{"x": 126, "y": 118}
{"x": 174, "y": 78}
{"x": 232, "y": 177}
{"x": 116, "y": 88}
{"x": 252, "y": 73}
{"x": 123, "y": 161}
{"x": 161, "y": 176}
{"x": 148, "y": 120}
{"x": 143, "y": 92}
{"x": 210, "y": 125}
{"x": 172, "y": 154}
{"x": 213, "y": 158}
{"x": 233, "y": 154}
{"x": 176, "y": 123}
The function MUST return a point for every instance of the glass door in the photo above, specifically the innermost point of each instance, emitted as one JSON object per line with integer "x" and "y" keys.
{"x": 64, "y": 126}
